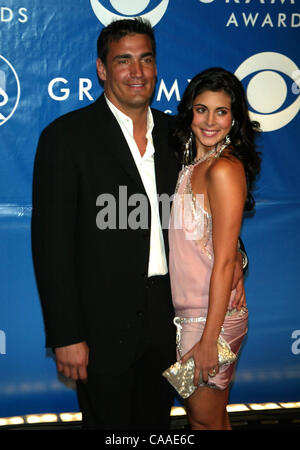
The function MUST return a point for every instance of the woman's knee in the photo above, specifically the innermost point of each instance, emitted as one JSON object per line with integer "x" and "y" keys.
{"x": 207, "y": 410}
{"x": 217, "y": 421}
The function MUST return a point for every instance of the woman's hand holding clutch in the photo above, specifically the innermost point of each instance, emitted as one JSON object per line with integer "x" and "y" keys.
{"x": 205, "y": 355}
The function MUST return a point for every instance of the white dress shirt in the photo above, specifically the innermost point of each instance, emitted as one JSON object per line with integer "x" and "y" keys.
{"x": 145, "y": 164}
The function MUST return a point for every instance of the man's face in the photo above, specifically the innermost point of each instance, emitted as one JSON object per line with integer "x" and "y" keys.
{"x": 129, "y": 74}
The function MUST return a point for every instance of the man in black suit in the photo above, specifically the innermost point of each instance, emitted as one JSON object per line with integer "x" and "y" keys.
{"x": 106, "y": 299}
{"x": 101, "y": 269}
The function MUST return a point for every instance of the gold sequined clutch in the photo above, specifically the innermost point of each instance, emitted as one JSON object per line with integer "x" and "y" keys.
{"x": 181, "y": 376}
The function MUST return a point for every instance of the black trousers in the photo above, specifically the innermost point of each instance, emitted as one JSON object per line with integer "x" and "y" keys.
{"x": 139, "y": 398}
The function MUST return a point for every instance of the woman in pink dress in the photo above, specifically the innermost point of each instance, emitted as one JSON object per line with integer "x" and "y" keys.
{"x": 213, "y": 190}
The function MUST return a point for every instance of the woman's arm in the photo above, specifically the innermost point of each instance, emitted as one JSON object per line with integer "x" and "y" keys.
{"x": 226, "y": 190}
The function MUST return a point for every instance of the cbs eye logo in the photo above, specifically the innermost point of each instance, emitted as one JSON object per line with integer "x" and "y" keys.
{"x": 267, "y": 90}
{"x": 129, "y": 10}
{"x": 9, "y": 90}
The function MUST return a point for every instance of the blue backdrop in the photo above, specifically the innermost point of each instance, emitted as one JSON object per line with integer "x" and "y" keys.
{"x": 47, "y": 68}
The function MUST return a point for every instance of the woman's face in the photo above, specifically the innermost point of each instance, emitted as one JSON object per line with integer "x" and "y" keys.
{"x": 212, "y": 119}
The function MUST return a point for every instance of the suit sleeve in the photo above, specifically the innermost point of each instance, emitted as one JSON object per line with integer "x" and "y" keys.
{"x": 54, "y": 211}
{"x": 242, "y": 249}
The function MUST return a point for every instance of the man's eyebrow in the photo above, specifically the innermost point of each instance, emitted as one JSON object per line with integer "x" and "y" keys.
{"x": 147, "y": 54}
{"x": 128, "y": 56}
{"x": 123, "y": 56}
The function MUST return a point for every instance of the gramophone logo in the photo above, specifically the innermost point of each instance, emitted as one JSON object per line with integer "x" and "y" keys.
{"x": 129, "y": 10}
{"x": 9, "y": 90}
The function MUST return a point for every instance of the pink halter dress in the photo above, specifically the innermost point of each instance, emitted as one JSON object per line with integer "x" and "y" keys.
{"x": 190, "y": 263}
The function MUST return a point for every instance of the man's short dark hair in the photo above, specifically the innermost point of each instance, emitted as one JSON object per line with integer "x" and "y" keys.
{"x": 120, "y": 28}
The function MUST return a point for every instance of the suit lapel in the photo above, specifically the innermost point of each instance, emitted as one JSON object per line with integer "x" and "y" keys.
{"x": 162, "y": 162}
{"x": 112, "y": 138}
{"x": 166, "y": 172}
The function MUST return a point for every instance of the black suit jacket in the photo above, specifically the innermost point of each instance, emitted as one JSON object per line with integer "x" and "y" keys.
{"x": 92, "y": 282}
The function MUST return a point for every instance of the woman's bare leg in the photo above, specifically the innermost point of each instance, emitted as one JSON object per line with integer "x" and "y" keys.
{"x": 206, "y": 409}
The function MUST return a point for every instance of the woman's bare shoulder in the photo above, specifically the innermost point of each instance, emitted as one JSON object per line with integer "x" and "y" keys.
{"x": 226, "y": 166}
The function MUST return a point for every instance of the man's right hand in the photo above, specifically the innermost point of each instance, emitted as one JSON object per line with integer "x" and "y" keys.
{"x": 72, "y": 361}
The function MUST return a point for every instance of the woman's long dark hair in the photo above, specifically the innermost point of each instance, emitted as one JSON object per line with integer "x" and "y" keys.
{"x": 243, "y": 132}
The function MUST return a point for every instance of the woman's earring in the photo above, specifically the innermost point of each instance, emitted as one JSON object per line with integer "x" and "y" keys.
{"x": 227, "y": 140}
{"x": 233, "y": 122}
{"x": 187, "y": 155}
